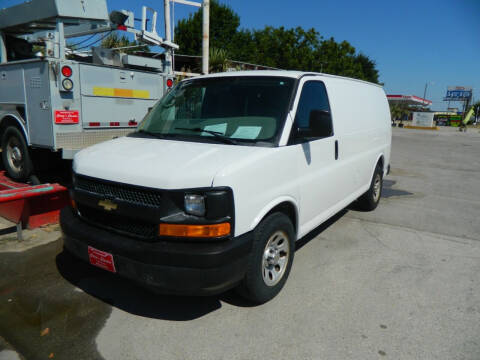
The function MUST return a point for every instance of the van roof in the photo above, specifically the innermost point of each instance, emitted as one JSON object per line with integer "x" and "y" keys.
{"x": 284, "y": 73}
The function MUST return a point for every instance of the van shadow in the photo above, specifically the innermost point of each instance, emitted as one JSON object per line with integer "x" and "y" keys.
{"x": 388, "y": 191}
{"x": 131, "y": 297}
{"x": 135, "y": 299}
{"x": 318, "y": 230}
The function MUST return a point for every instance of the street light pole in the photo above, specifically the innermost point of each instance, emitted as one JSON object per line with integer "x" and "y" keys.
{"x": 425, "y": 92}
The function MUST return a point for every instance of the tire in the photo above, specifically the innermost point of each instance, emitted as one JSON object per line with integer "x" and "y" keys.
{"x": 369, "y": 201}
{"x": 270, "y": 260}
{"x": 15, "y": 154}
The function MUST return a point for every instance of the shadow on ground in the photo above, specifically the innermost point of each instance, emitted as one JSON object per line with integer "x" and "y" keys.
{"x": 42, "y": 314}
{"x": 388, "y": 191}
{"x": 131, "y": 297}
{"x": 135, "y": 299}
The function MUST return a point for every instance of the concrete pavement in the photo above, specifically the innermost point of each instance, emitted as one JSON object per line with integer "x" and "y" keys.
{"x": 401, "y": 282}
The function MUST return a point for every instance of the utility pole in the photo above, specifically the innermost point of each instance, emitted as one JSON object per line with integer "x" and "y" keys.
{"x": 206, "y": 26}
{"x": 206, "y": 36}
{"x": 168, "y": 37}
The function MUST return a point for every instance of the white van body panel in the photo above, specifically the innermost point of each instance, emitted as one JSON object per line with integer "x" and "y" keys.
{"x": 361, "y": 118}
{"x": 162, "y": 164}
{"x": 306, "y": 175}
{"x": 259, "y": 184}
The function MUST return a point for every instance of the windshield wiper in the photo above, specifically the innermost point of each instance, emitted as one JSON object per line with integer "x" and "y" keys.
{"x": 155, "y": 134}
{"x": 218, "y": 135}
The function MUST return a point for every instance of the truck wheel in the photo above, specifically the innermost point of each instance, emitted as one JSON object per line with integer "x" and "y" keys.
{"x": 271, "y": 259}
{"x": 371, "y": 198}
{"x": 15, "y": 155}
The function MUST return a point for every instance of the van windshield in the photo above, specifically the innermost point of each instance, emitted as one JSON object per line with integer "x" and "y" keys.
{"x": 243, "y": 109}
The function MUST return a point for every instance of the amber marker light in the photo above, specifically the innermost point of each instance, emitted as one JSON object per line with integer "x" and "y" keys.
{"x": 195, "y": 231}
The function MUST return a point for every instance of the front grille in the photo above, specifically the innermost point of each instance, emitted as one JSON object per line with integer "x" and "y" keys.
{"x": 119, "y": 223}
{"x": 119, "y": 191}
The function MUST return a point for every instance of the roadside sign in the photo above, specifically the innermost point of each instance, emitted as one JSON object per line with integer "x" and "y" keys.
{"x": 423, "y": 119}
{"x": 458, "y": 93}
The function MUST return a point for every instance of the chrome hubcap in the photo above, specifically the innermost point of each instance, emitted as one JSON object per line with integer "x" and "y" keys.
{"x": 377, "y": 186}
{"x": 14, "y": 155}
{"x": 275, "y": 258}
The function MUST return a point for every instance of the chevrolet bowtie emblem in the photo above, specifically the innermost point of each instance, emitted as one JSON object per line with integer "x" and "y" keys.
{"x": 108, "y": 205}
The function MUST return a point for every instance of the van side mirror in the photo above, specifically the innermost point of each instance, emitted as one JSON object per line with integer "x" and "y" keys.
{"x": 320, "y": 125}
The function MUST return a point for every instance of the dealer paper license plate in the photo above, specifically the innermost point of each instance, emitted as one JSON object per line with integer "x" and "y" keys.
{"x": 101, "y": 259}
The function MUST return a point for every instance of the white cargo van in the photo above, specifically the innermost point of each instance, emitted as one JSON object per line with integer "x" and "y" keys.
{"x": 224, "y": 174}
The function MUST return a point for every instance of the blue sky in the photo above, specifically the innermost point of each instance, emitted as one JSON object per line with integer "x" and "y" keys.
{"x": 412, "y": 42}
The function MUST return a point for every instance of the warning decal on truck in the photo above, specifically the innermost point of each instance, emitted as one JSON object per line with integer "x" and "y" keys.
{"x": 67, "y": 117}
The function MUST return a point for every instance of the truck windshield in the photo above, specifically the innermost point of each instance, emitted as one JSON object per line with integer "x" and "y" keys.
{"x": 243, "y": 109}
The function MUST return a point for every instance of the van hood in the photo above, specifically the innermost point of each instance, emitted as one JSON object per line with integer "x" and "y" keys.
{"x": 159, "y": 163}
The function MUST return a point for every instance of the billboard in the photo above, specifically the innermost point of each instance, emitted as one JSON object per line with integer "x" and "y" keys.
{"x": 458, "y": 93}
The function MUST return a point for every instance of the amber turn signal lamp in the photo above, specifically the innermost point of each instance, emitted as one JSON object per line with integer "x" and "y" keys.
{"x": 73, "y": 204}
{"x": 194, "y": 231}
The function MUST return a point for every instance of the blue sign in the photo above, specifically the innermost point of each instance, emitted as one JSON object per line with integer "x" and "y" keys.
{"x": 458, "y": 93}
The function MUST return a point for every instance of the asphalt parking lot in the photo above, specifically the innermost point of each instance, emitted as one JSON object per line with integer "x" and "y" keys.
{"x": 401, "y": 282}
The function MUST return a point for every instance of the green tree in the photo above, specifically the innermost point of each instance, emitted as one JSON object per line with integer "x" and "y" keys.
{"x": 113, "y": 41}
{"x": 476, "y": 109}
{"x": 368, "y": 67}
{"x": 217, "y": 60}
{"x": 289, "y": 49}
{"x": 399, "y": 111}
{"x": 224, "y": 23}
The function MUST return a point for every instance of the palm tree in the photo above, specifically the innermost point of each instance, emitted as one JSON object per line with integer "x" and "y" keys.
{"x": 398, "y": 112}
{"x": 476, "y": 110}
{"x": 218, "y": 60}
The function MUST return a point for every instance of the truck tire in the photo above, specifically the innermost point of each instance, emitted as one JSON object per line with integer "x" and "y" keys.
{"x": 270, "y": 260}
{"x": 369, "y": 201}
{"x": 15, "y": 154}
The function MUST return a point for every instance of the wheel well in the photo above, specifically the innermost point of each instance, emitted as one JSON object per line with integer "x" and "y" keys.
{"x": 11, "y": 121}
{"x": 381, "y": 163}
{"x": 288, "y": 209}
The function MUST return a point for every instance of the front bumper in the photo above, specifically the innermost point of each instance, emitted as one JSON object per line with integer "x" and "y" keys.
{"x": 193, "y": 268}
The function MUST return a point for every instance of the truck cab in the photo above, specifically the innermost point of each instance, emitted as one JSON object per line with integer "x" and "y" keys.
{"x": 223, "y": 175}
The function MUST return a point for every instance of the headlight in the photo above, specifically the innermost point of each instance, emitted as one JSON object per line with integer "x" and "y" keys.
{"x": 195, "y": 204}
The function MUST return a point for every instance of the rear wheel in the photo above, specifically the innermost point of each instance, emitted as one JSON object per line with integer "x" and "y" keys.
{"x": 15, "y": 155}
{"x": 369, "y": 201}
{"x": 271, "y": 259}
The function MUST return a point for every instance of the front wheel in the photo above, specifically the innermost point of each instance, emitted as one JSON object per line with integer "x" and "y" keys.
{"x": 15, "y": 155}
{"x": 271, "y": 259}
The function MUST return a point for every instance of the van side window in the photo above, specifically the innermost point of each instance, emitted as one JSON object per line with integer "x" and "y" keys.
{"x": 313, "y": 119}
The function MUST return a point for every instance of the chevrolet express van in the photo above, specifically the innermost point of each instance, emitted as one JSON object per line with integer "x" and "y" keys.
{"x": 223, "y": 175}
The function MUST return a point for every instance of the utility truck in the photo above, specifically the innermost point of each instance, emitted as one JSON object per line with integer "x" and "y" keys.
{"x": 63, "y": 100}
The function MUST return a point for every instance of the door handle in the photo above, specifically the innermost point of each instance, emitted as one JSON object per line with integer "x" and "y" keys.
{"x": 336, "y": 149}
